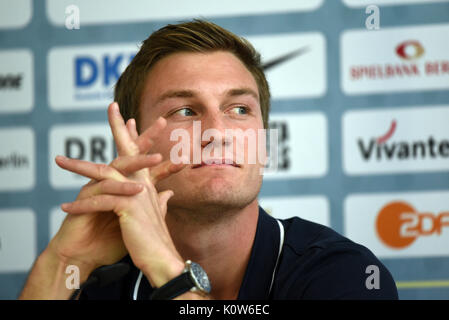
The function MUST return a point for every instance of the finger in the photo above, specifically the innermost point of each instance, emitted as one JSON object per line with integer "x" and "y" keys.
{"x": 125, "y": 145}
{"x": 132, "y": 129}
{"x": 164, "y": 170}
{"x": 129, "y": 164}
{"x": 164, "y": 196}
{"x": 146, "y": 139}
{"x": 99, "y": 203}
{"x": 111, "y": 187}
{"x": 85, "y": 189}
{"x": 89, "y": 169}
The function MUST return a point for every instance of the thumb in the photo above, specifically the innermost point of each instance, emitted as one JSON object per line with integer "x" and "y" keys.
{"x": 164, "y": 196}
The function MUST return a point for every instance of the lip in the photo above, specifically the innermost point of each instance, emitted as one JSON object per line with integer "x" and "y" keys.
{"x": 216, "y": 163}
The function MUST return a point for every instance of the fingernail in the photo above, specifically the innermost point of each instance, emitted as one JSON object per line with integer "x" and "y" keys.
{"x": 115, "y": 108}
{"x": 65, "y": 206}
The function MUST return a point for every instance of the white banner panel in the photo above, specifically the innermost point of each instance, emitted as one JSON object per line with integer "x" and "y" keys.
{"x": 17, "y": 159}
{"x": 16, "y": 81}
{"x": 17, "y": 239}
{"x": 302, "y": 75}
{"x": 90, "y": 142}
{"x": 396, "y": 140}
{"x": 395, "y": 225}
{"x": 84, "y": 77}
{"x": 15, "y": 14}
{"x": 312, "y": 208}
{"x": 302, "y": 145}
{"x": 396, "y": 59}
{"x": 365, "y": 3}
{"x": 122, "y": 11}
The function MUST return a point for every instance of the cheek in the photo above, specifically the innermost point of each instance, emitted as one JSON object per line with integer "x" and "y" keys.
{"x": 255, "y": 147}
{"x": 163, "y": 145}
{"x": 176, "y": 140}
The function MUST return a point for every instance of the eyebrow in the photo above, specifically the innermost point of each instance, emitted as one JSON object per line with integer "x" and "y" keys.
{"x": 191, "y": 94}
{"x": 175, "y": 94}
{"x": 241, "y": 92}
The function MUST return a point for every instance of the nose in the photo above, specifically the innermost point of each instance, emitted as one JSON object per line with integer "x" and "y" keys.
{"x": 214, "y": 127}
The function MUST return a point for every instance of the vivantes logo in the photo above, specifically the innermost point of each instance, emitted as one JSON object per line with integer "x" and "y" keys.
{"x": 398, "y": 224}
{"x": 383, "y": 148}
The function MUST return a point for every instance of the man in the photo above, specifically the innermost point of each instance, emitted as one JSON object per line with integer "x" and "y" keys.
{"x": 157, "y": 215}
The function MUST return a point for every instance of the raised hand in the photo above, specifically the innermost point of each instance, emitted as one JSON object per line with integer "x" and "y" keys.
{"x": 126, "y": 187}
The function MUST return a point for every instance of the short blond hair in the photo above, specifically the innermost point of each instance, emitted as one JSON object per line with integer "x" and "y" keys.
{"x": 193, "y": 36}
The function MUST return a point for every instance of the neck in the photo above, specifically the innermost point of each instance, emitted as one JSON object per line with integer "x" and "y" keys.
{"x": 222, "y": 247}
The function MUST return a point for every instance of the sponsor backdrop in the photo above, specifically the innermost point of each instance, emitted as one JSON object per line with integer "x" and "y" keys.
{"x": 361, "y": 104}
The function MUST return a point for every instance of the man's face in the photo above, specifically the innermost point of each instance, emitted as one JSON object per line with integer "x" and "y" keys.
{"x": 217, "y": 90}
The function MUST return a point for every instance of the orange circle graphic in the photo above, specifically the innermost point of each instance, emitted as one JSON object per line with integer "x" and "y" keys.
{"x": 389, "y": 223}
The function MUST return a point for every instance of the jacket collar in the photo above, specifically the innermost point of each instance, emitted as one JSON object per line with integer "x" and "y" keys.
{"x": 264, "y": 253}
{"x": 259, "y": 272}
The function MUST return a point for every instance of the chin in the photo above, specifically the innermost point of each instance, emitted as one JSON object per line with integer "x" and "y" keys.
{"x": 212, "y": 192}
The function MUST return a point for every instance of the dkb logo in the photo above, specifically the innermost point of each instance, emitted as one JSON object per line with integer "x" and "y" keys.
{"x": 106, "y": 71}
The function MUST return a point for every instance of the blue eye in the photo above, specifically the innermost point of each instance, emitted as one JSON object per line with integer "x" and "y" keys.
{"x": 240, "y": 110}
{"x": 186, "y": 112}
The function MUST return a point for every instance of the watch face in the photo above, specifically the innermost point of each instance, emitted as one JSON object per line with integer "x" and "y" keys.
{"x": 200, "y": 277}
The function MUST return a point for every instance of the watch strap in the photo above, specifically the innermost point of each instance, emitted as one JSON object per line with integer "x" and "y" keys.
{"x": 174, "y": 287}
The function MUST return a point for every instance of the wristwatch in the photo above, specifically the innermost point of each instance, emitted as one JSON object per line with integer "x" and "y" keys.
{"x": 193, "y": 278}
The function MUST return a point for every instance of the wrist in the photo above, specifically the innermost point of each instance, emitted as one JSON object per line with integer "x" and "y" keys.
{"x": 193, "y": 284}
{"x": 160, "y": 274}
{"x": 53, "y": 257}
{"x": 61, "y": 265}
{"x": 49, "y": 277}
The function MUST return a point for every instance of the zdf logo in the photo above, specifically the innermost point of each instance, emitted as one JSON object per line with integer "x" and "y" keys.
{"x": 398, "y": 224}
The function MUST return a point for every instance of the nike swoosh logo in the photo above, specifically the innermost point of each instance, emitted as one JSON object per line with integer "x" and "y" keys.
{"x": 279, "y": 60}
